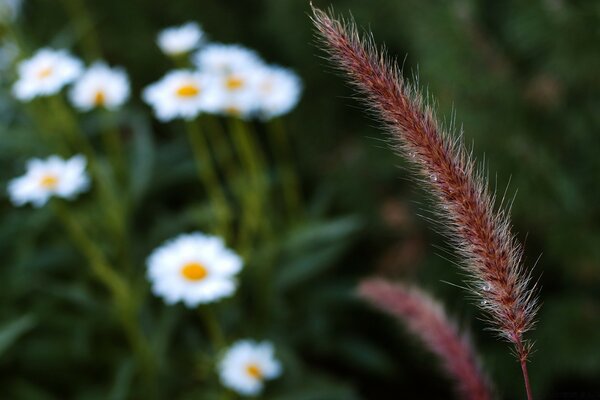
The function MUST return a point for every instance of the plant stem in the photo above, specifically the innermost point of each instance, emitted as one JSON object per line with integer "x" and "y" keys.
{"x": 526, "y": 379}
{"x": 283, "y": 155}
{"x": 124, "y": 304}
{"x": 209, "y": 177}
{"x": 255, "y": 194}
{"x": 82, "y": 20}
{"x": 112, "y": 143}
{"x": 213, "y": 328}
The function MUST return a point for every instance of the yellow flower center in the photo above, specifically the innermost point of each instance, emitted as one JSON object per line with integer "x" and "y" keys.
{"x": 194, "y": 271}
{"x": 234, "y": 83}
{"x": 49, "y": 181}
{"x": 233, "y": 111}
{"x": 45, "y": 72}
{"x": 99, "y": 98}
{"x": 189, "y": 90}
{"x": 254, "y": 371}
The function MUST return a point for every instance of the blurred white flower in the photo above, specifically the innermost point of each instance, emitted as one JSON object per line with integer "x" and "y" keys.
{"x": 100, "y": 86}
{"x": 180, "y": 39}
{"x": 45, "y": 73}
{"x": 10, "y": 9}
{"x": 225, "y": 58}
{"x": 181, "y": 94}
{"x": 247, "y": 364}
{"x": 236, "y": 91}
{"x": 236, "y": 70}
{"x": 278, "y": 90}
{"x": 53, "y": 176}
{"x": 193, "y": 268}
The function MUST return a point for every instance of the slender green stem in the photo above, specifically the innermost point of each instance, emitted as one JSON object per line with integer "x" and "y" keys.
{"x": 65, "y": 124}
{"x": 213, "y": 328}
{"x": 83, "y": 23}
{"x": 125, "y": 305}
{"x": 282, "y": 150}
{"x": 113, "y": 144}
{"x": 253, "y": 195}
{"x": 223, "y": 151}
{"x": 209, "y": 177}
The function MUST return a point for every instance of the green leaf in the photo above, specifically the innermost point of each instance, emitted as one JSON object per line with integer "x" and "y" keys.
{"x": 12, "y": 331}
{"x": 142, "y": 158}
{"x": 123, "y": 380}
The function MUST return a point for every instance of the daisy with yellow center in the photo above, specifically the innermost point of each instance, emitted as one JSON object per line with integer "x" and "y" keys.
{"x": 100, "y": 87}
{"x": 234, "y": 82}
{"x": 181, "y": 94}
{"x": 236, "y": 94}
{"x": 45, "y": 74}
{"x": 194, "y": 269}
{"x": 50, "y": 177}
{"x": 246, "y": 365}
{"x": 188, "y": 90}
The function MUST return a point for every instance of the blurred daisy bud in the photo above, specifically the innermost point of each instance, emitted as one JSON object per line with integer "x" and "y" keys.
{"x": 193, "y": 268}
{"x": 53, "y": 176}
{"x": 100, "y": 87}
{"x": 45, "y": 73}
{"x": 278, "y": 91}
{"x": 225, "y": 58}
{"x": 246, "y": 365}
{"x": 180, "y": 40}
{"x": 181, "y": 94}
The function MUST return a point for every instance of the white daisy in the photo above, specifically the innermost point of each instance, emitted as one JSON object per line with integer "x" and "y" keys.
{"x": 278, "y": 90}
{"x": 193, "y": 268}
{"x": 53, "y": 176}
{"x": 180, "y": 39}
{"x": 100, "y": 86}
{"x": 219, "y": 58}
{"x": 236, "y": 91}
{"x": 45, "y": 73}
{"x": 246, "y": 365}
{"x": 181, "y": 94}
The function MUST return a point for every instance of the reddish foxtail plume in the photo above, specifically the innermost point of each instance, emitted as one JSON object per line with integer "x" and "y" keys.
{"x": 426, "y": 319}
{"x": 480, "y": 234}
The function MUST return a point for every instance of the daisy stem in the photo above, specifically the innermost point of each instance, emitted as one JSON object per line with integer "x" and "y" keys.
{"x": 209, "y": 177}
{"x": 112, "y": 143}
{"x": 125, "y": 305}
{"x": 87, "y": 246}
{"x": 66, "y": 124}
{"x": 282, "y": 150}
{"x": 223, "y": 152}
{"x": 255, "y": 195}
{"x": 213, "y": 328}
{"x": 114, "y": 209}
{"x": 82, "y": 21}
{"x": 42, "y": 122}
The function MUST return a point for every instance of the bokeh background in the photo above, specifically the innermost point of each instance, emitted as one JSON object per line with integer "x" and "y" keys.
{"x": 521, "y": 78}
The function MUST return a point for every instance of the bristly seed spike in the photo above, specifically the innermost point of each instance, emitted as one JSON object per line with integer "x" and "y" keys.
{"x": 480, "y": 234}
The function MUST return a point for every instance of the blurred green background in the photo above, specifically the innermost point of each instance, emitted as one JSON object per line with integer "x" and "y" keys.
{"x": 523, "y": 81}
